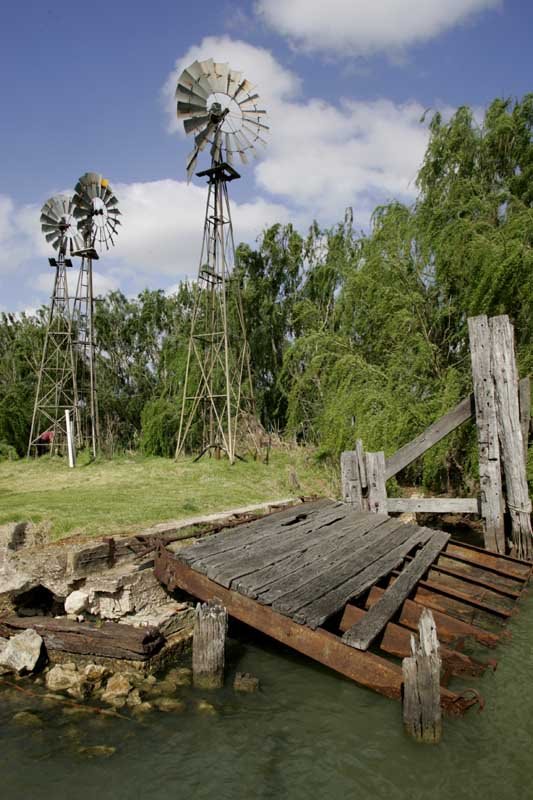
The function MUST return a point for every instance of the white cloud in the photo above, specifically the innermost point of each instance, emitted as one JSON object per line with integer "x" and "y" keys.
{"x": 365, "y": 27}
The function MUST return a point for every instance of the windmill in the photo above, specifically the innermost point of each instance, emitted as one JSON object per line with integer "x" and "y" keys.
{"x": 221, "y": 109}
{"x": 56, "y": 383}
{"x": 96, "y": 211}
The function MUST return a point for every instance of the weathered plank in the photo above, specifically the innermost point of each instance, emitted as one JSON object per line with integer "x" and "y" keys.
{"x": 437, "y": 431}
{"x": 449, "y": 628}
{"x": 224, "y": 569}
{"x": 110, "y": 639}
{"x": 505, "y": 586}
{"x": 396, "y": 641}
{"x": 350, "y": 481}
{"x": 490, "y": 599}
{"x": 432, "y": 597}
{"x": 272, "y": 581}
{"x": 359, "y": 449}
{"x": 388, "y": 536}
{"x": 363, "y": 633}
{"x": 510, "y": 433}
{"x": 316, "y": 612}
{"x": 487, "y": 430}
{"x": 235, "y": 538}
{"x": 434, "y": 505}
{"x": 500, "y": 565}
{"x": 366, "y": 669}
{"x": 421, "y": 684}
{"x": 375, "y": 473}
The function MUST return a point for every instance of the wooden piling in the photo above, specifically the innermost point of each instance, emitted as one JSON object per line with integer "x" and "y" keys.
{"x": 510, "y": 433}
{"x": 421, "y": 684}
{"x": 350, "y": 481}
{"x": 210, "y": 627}
{"x": 375, "y": 474}
{"x": 487, "y": 430}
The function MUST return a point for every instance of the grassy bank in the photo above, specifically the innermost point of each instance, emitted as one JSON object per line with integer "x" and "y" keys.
{"x": 129, "y": 493}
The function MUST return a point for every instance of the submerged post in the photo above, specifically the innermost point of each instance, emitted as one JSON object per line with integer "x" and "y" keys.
{"x": 209, "y": 638}
{"x": 421, "y": 683}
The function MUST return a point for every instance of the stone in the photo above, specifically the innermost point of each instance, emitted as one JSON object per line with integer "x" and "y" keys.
{"x": 117, "y": 689}
{"x": 244, "y": 682}
{"x": 63, "y": 677}
{"x": 27, "y": 718}
{"x": 169, "y": 704}
{"x": 181, "y": 676}
{"x": 134, "y": 698}
{"x": 203, "y": 707}
{"x": 142, "y": 708}
{"x": 22, "y": 652}
{"x": 95, "y": 673}
{"x": 97, "y": 751}
{"x": 76, "y": 602}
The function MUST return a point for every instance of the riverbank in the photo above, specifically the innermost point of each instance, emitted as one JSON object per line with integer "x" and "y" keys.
{"x": 129, "y": 493}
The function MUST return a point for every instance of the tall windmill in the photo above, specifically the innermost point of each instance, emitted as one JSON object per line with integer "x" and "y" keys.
{"x": 56, "y": 382}
{"x": 221, "y": 109}
{"x": 96, "y": 210}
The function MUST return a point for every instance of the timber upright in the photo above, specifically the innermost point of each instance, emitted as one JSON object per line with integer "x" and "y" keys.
{"x": 218, "y": 104}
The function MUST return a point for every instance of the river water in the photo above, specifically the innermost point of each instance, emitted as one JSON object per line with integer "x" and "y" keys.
{"x": 307, "y": 734}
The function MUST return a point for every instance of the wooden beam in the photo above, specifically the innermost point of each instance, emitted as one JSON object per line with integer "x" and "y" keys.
{"x": 367, "y": 669}
{"x": 524, "y": 388}
{"x": 510, "y": 433}
{"x": 434, "y": 505}
{"x": 363, "y": 633}
{"x": 437, "y": 431}
{"x": 487, "y": 430}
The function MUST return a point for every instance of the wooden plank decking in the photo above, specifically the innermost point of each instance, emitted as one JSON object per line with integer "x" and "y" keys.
{"x": 331, "y": 582}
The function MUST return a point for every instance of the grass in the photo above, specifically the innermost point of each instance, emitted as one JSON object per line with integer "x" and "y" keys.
{"x": 128, "y": 494}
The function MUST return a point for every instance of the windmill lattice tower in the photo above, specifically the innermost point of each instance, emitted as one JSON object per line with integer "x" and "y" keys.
{"x": 219, "y": 106}
{"x": 56, "y": 382}
{"x": 96, "y": 210}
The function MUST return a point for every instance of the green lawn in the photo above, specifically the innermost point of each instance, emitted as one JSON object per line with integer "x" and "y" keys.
{"x": 129, "y": 493}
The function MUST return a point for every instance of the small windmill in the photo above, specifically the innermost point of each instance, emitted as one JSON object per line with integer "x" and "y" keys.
{"x": 221, "y": 109}
{"x": 96, "y": 211}
{"x": 56, "y": 382}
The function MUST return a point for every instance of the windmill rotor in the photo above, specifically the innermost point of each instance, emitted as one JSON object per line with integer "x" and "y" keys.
{"x": 59, "y": 225}
{"x": 220, "y": 108}
{"x": 96, "y": 209}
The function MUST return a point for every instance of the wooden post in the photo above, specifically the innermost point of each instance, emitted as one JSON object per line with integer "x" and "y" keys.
{"x": 525, "y": 412}
{"x": 421, "y": 683}
{"x": 71, "y": 450}
{"x": 375, "y": 473}
{"x": 359, "y": 449}
{"x": 350, "y": 482}
{"x": 209, "y": 638}
{"x": 487, "y": 430}
{"x": 510, "y": 433}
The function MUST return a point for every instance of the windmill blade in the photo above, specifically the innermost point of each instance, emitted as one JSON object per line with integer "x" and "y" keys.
{"x": 256, "y": 137}
{"x": 228, "y": 148}
{"x": 220, "y": 78}
{"x": 195, "y": 122}
{"x": 188, "y": 95}
{"x": 189, "y": 109}
{"x": 253, "y": 112}
{"x": 194, "y": 74}
{"x": 234, "y": 79}
{"x": 256, "y": 123}
{"x": 244, "y": 86}
{"x": 248, "y": 100}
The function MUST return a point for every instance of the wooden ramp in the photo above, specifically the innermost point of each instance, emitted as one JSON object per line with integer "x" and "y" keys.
{"x": 331, "y": 583}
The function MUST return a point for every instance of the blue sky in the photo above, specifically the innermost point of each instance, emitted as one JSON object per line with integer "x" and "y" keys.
{"x": 83, "y": 88}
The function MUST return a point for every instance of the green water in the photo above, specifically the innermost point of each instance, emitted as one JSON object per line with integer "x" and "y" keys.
{"x": 307, "y": 733}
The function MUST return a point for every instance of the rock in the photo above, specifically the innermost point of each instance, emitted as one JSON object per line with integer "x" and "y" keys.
{"x": 166, "y": 687}
{"x": 203, "y": 707}
{"x": 134, "y": 698}
{"x": 63, "y": 677}
{"x": 22, "y": 651}
{"x": 244, "y": 682}
{"x": 181, "y": 676}
{"x": 169, "y": 704}
{"x": 95, "y": 673}
{"x": 76, "y": 602}
{"x": 27, "y": 718}
{"x": 117, "y": 689}
{"x": 97, "y": 751}
{"x": 143, "y": 708}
